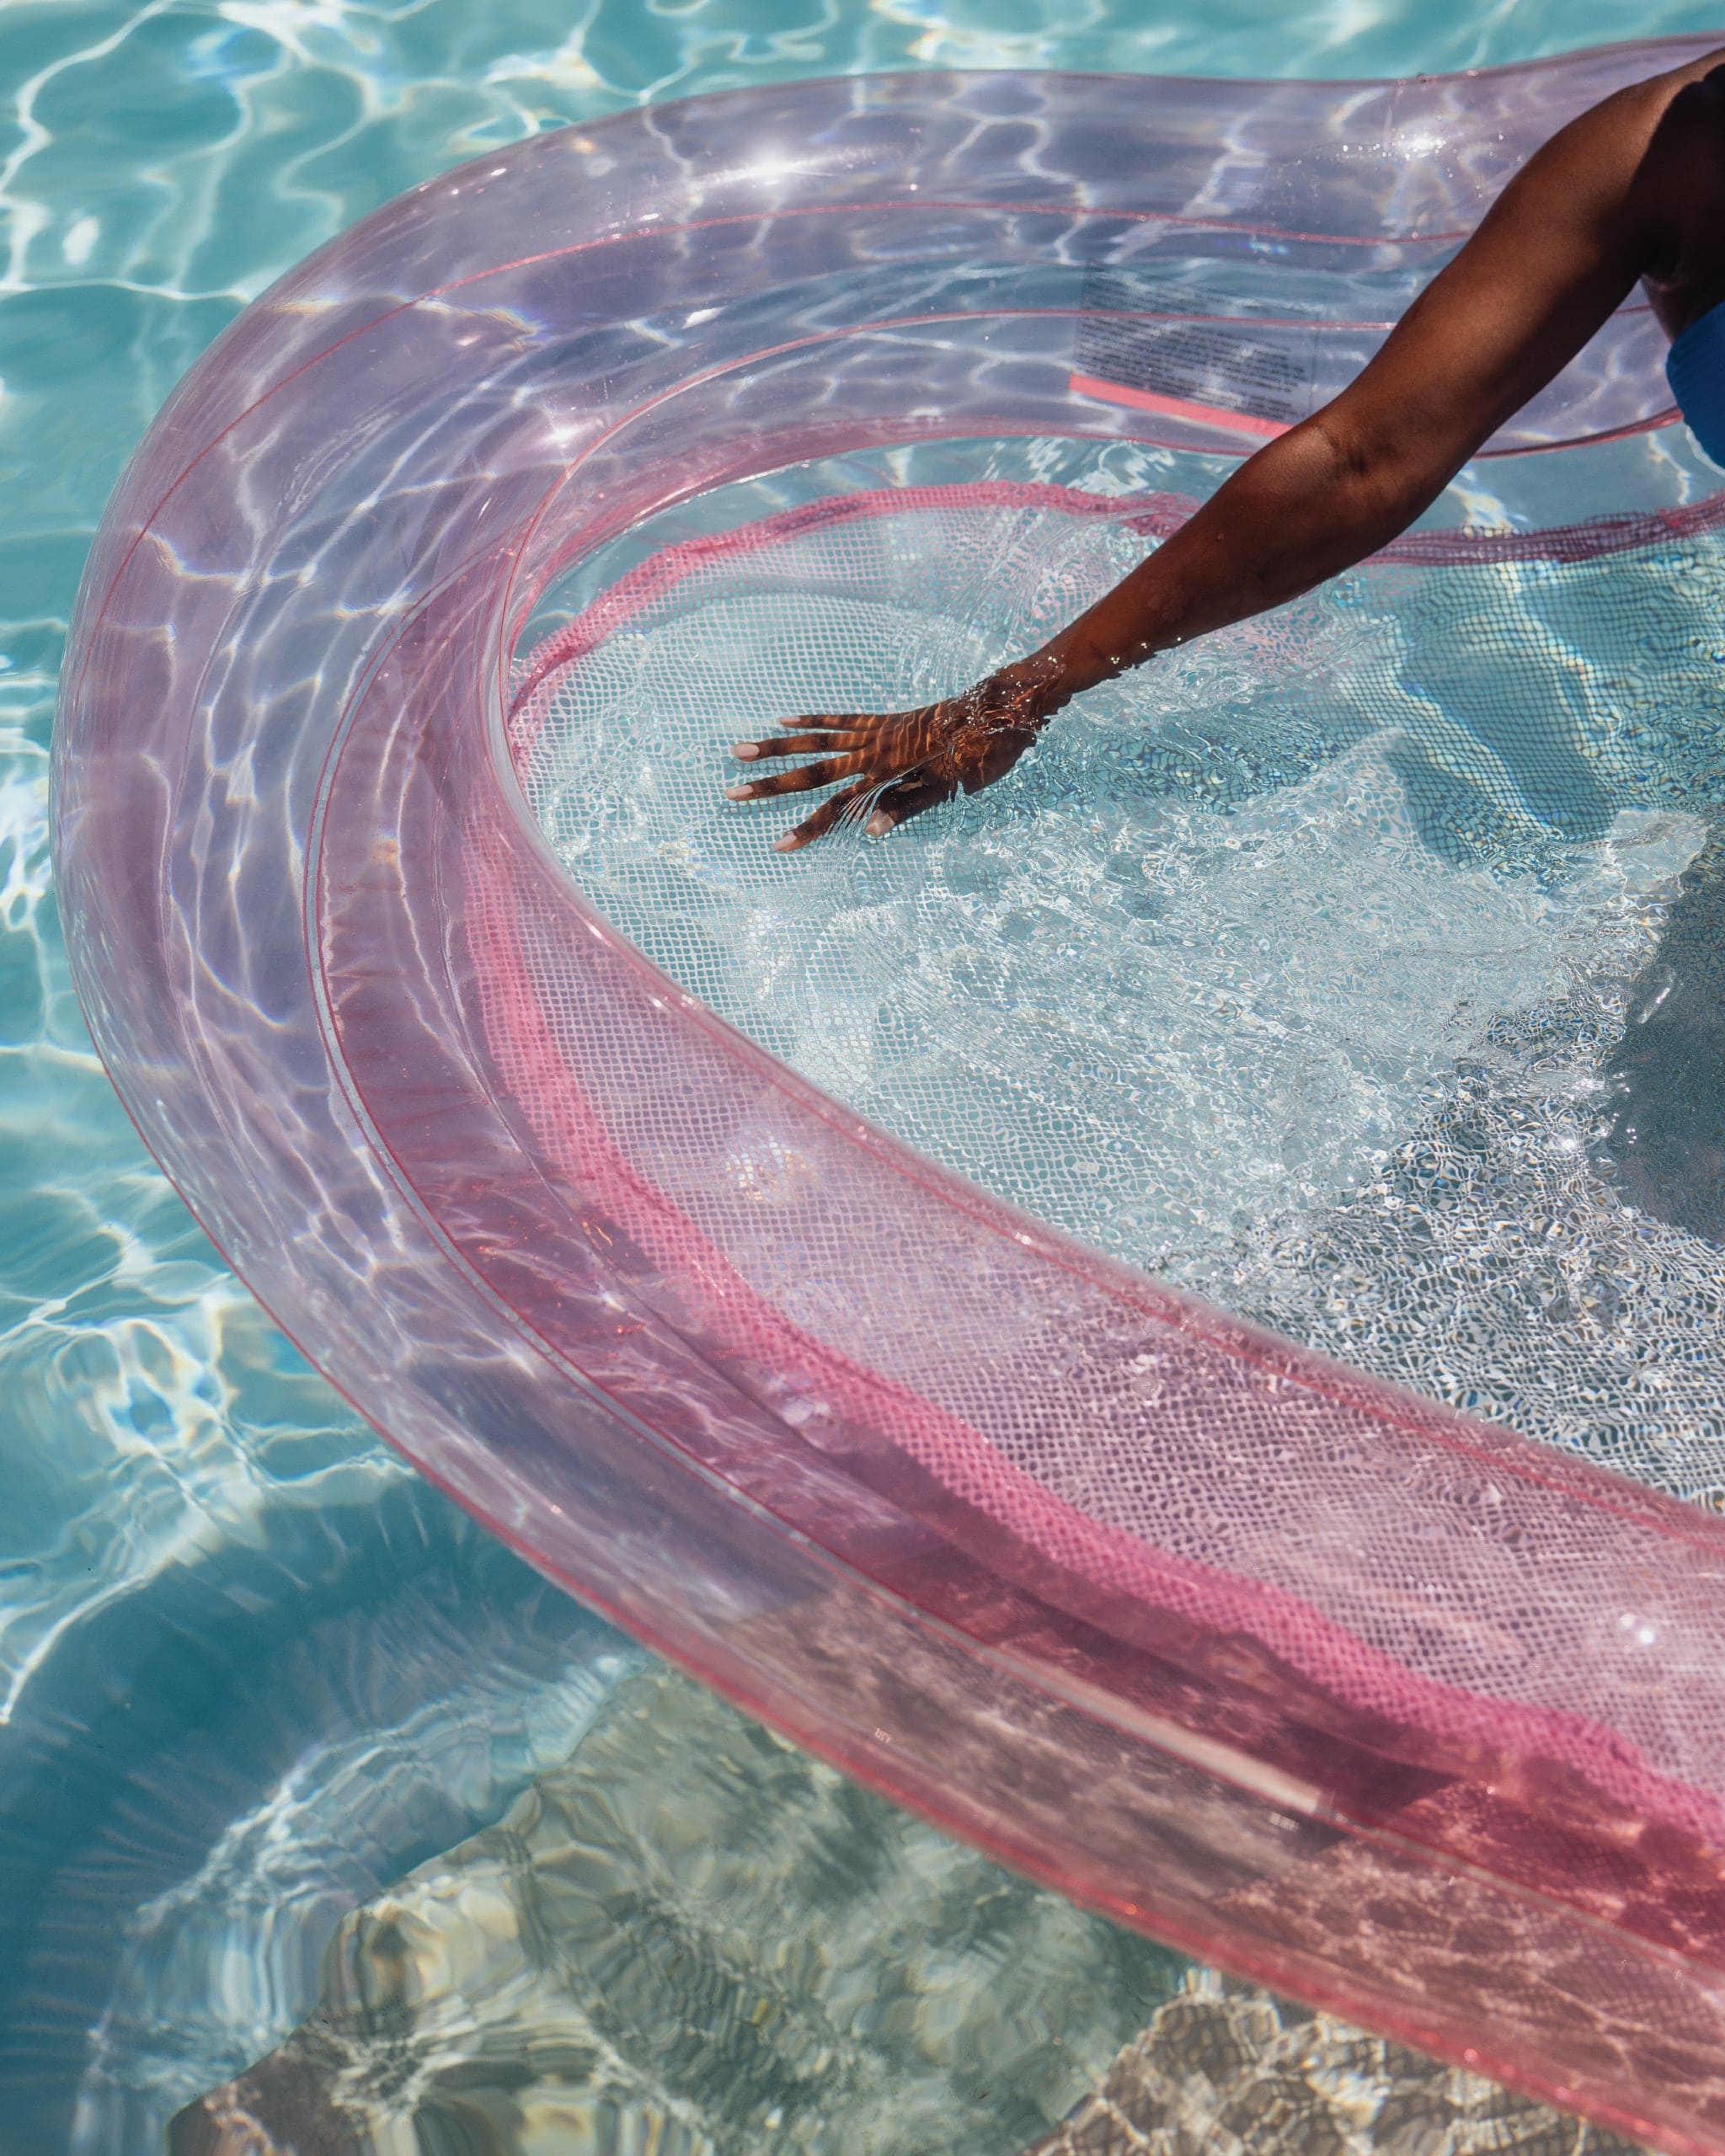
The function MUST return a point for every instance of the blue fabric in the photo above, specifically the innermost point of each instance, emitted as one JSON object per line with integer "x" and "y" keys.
{"x": 1695, "y": 367}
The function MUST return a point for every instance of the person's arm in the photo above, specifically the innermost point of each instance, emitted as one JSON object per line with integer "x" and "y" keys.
{"x": 1556, "y": 253}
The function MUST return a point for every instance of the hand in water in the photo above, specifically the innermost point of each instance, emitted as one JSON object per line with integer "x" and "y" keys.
{"x": 896, "y": 764}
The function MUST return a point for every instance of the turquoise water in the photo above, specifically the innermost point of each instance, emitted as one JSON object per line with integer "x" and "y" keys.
{"x": 217, "y": 1593}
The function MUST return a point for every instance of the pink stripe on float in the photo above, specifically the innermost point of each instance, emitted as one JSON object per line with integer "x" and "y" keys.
{"x": 1175, "y": 408}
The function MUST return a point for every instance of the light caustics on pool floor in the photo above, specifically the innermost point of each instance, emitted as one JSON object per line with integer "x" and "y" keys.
{"x": 1232, "y": 1642}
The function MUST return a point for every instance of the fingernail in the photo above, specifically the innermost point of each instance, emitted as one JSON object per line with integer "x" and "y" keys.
{"x": 879, "y": 823}
{"x": 748, "y": 750}
{"x": 740, "y": 793}
{"x": 788, "y": 844}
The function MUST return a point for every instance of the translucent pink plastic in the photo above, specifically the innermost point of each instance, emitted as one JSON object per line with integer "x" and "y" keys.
{"x": 1395, "y": 1711}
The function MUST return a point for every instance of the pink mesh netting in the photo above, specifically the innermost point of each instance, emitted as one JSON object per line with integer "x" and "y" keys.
{"x": 1142, "y": 1446}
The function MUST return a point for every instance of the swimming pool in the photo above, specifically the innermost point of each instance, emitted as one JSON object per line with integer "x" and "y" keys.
{"x": 176, "y": 1465}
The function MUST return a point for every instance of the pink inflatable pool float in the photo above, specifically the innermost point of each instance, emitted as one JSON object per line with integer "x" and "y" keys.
{"x": 1398, "y": 1711}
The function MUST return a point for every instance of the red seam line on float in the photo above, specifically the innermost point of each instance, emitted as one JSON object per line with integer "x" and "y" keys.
{"x": 1213, "y": 415}
{"x": 635, "y": 589}
{"x": 1177, "y": 407}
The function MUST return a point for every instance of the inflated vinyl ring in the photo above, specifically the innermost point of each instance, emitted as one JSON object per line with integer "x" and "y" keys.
{"x": 1305, "y": 1674}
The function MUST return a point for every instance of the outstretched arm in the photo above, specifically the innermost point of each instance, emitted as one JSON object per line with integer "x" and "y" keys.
{"x": 1556, "y": 253}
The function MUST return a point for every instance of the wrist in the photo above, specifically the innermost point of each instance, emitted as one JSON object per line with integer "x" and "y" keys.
{"x": 1036, "y": 686}
{"x": 1067, "y": 666}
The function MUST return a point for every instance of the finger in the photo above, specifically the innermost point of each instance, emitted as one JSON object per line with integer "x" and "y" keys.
{"x": 802, "y": 779}
{"x": 825, "y": 738}
{"x": 900, "y": 802}
{"x": 831, "y": 812}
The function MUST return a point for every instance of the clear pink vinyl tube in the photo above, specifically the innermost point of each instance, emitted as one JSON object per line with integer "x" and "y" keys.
{"x": 1395, "y": 1711}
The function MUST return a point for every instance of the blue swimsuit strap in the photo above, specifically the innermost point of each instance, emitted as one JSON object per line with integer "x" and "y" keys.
{"x": 1695, "y": 367}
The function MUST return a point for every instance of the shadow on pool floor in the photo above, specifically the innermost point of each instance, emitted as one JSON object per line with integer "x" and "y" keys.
{"x": 692, "y": 1941}
{"x": 692, "y": 1938}
{"x": 1667, "y": 1139}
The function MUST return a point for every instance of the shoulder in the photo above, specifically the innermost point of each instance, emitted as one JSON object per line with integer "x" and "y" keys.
{"x": 1640, "y": 176}
{"x": 1682, "y": 113}
{"x": 1676, "y": 189}
{"x": 1665, "y": 117}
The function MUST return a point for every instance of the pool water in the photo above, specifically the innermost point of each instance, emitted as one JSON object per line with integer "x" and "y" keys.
{"x": 251, "y": 1670}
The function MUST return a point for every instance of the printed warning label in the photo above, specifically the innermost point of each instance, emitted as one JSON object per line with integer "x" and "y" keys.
{"x": 1134, "y": 348}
